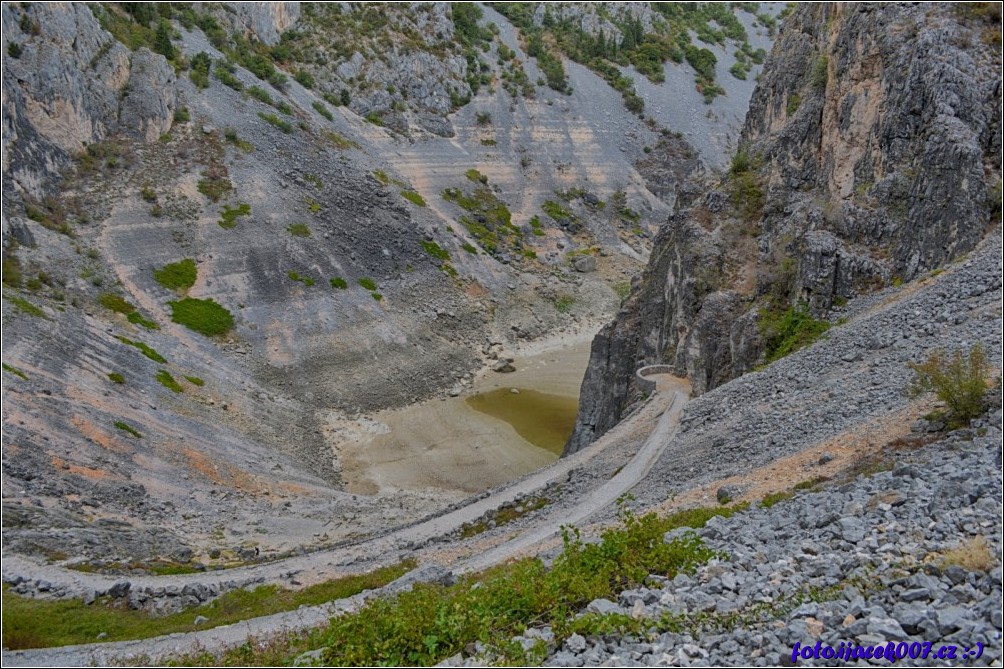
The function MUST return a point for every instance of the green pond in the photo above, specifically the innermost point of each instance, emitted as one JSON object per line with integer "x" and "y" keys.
{"x": 542, "y": 419}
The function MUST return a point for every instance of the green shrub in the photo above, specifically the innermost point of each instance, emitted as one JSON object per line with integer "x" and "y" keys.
{"x": 555, "y": 211}
{"x": 228, "y": 217}
{"x": 820, "y": 72}
{"x": 168, "y": 381}
{"x": 214, "y": 184}
{"x": 413, "y": 197}
{"x": 12, "y": 272}
{"x": 322, "y": 110}
{"x": 433, "y": 622}
{"x": 260, "y": 94}
{"x": 14, "y": 50}
{"x": 339, "y": 283}
{"x": 376, "y": 296}
{"x": 786, "y": 332}
{"x": 960, "y": 381}
{"x": 179, "y": 275}
{"x": 181, "y": 115}
{"x": 470, "y": 248}
{"x": 204, "y": 316}
{"x": 299, "y": 230}
{"x": 367, "y": 283}
{"x": 381, "y": 176}
{"x": 115, "y": 377}
{"x": 195, "y": 381}
{"x": 128, "y": 428}
{"x": 304, "y": 78}
{"x": 282, "y": 124}
{"x": 476, "y": 176}
{"x": 144, "y": 349}
{"x": 225, "y": 73}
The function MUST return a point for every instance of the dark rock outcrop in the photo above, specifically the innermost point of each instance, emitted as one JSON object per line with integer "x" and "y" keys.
{"x": 871, "y": 153}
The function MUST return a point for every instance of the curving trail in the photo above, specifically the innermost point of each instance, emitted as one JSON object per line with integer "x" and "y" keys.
{"x": 669, "y": 401}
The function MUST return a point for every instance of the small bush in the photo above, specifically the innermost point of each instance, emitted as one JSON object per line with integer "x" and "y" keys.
{"x": 476, "y": 176}
{"x": 820, "y": 72}
{"x": 179, "y": 275}
{"x": 972, "y": 555}
{"x": 181, "y": 115}
{"x": 483, "y": 118}
{"x": 214, "y": 185}
{"x": 376, "y": 296}
{"x": 299, "y": 230}
{"x": 14, "y": 50}
{"x": 115, "y": 377}
{"x": 233, "y": 138}
{"x": 339, "y": 283}
{"x": 413, "y": 197}
{"x": 470, "y": 248}
{"x": 24, "y": 306}
{"x": 960, "y": 381}
{"x": 368, "y": 283}
{"x": 195, "y": 381}
{"x": 168, "y": 381}
{"x": 304, "y": 78}
{"x": 204, "y": 316}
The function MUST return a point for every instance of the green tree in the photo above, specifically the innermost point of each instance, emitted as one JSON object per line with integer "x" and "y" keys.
{"x": 162, "y": 41}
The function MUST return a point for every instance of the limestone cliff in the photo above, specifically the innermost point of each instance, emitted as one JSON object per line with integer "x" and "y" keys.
{"x": 871, "y": 153}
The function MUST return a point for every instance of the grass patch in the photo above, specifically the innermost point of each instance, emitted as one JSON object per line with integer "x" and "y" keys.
{"x": 195, "y": 381}
{"x": 137, "y": 319}
{"x": 435, "y": 250}
{"x": 168, "y": 381}
{"x": 503, "y": 516}
{"x": 470, "y": 248}
{"x": 299, "y": 230}
{"x": 413, "y": 197}
{"x": 233, "y": 138}
{"x": 125, "y": 427}
{"x": 338, "y": 140}
{"x": 476, "y": 176}
{"x": 972, "y": 555}
{"x": 179, "y": 275}
{"x": 367, "y": 283}
{"x": 115, "y": 377}
{"x": 15, "y": 371}
{"x": 431, "y": 623}
{"x": 280, "y": 123}
{"x": 376, "y": 296}
{"x": 229, "y": 216}
{"x": 381, "y": 176}
{"x": 563, "y": 303}
{"x": 144, "y": 349}
{"x": 622, "y": 288}
{"x": 204, "y": 316}
{"x": 305, "y": 280}
{"x": 214, "y": 184}
{"x": 786, "y": 332}
{"x": 25, "y": 307}
{"x": 40, "y": 623}
{"x": 339, "y": 283}
{"x": 773, "y": 498}
{"x": 322, "y": 109}
{"x": 116, "y": 303}
{"x": 556, "y": 211}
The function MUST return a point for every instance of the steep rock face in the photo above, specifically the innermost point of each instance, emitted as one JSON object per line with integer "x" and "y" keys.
{"x": 72, "y": 84}
{"x": 871, "y": 153}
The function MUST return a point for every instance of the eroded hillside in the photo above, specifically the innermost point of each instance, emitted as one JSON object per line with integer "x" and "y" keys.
{"x": 229, "y": 228}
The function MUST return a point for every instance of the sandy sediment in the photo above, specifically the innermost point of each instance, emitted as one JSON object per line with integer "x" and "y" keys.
{"x": 445, "y": 444}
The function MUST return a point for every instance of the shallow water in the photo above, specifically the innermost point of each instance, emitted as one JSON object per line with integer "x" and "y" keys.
{"x": 543, "y": 419}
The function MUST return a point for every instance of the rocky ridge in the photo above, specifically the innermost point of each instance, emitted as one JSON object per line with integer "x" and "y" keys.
{"x": 865, "y": 160}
